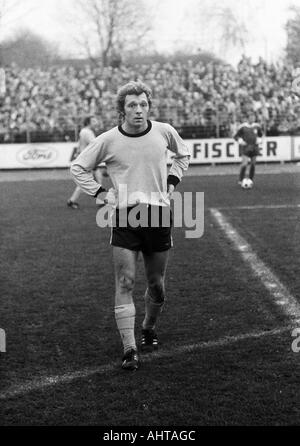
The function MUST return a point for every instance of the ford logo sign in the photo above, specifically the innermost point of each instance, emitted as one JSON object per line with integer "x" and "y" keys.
{"x": 37, "y": 156}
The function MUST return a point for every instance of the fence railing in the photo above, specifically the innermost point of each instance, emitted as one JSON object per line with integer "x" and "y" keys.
{"x": 209, "y": 126}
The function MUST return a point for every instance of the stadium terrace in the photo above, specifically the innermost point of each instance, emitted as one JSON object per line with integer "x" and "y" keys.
{"x": 199, "y": 100}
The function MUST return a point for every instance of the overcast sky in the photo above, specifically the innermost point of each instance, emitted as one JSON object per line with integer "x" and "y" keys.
{"x": 176, "y": 23}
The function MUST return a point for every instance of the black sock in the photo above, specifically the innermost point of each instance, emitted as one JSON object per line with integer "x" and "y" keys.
{"x": 252, "y": 171}
{"x": 242, "y": 172}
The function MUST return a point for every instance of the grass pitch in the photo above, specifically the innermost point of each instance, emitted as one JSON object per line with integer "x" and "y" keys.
{"x": 226, "y": 356}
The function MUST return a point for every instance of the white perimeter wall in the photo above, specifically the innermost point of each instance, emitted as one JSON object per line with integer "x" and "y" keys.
{"x": 203, "y": 151}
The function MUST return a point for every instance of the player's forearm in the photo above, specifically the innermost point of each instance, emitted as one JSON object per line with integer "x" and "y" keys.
{"x": 84, "y": 179}
{"x": 179, "y": 166}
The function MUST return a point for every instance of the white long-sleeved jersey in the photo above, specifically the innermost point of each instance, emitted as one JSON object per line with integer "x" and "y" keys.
{"x": 136, "y": 164}
{"x": 86, "y": 136}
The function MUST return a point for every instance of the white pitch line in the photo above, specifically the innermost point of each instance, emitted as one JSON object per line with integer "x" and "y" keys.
{"x": 39, "y": 384}
{"x": 259, "y": 206}
{"x": 281, "y": 296}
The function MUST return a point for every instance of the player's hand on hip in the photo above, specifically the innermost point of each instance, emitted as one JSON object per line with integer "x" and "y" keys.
{"x": 171, "y": 189}
{"x": 111, "y": 197}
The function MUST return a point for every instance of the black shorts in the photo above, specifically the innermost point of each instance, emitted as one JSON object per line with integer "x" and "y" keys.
{"x": 153, "y": 235}
{"x": 250, "y": 150}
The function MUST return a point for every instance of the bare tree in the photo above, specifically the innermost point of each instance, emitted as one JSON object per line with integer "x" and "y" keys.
{"x": 233, "y": 31}
{"x": 11, "y": 13}
{"x": 220, "y": 25}
{"x": 110, "y": 27}
{"x": 6, "y": 8}
{"x": 292, "y": 28}
{"x": 4, "y": 11}
{"x": 28, "y": 49}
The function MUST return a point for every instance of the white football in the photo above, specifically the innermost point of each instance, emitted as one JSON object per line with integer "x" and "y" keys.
{"x": 247, "y": 183}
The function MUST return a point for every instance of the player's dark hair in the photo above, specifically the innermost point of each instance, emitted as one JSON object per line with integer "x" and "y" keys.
{"x": 133, "y": 87}
{"x": 250, "y": 115}
{"x": 87, "y": 121}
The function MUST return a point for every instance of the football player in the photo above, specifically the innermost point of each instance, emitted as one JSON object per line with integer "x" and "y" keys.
{"x": 248, "y": 136}
{"x": 86, "y": 136}
{"x": 135, "y": 154}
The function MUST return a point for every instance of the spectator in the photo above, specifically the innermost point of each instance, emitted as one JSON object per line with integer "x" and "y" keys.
{"x": 208, "y": 97}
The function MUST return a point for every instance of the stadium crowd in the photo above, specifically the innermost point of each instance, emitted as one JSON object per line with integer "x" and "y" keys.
{"x": 200, "y": 100}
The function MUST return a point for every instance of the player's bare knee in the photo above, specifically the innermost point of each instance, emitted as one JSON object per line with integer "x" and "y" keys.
{"x": 126, "y": 283}
{"x": 157, "y": 291}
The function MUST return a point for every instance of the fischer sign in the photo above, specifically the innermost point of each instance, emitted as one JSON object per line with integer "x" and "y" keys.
{"x": 210, "y": 151}
{"x": 296, "y": 151}
{"x": 203, "y": 151}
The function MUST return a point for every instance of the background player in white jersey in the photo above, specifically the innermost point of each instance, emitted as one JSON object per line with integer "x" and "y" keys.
{"x": 248, "y": 136}
{"x": 135, "y": 154}
{"x": 86, "y": 136}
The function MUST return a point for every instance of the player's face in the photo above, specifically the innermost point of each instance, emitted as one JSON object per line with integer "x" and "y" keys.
{"x": 93, "y": 123}
{"x": 136, "y": 110}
